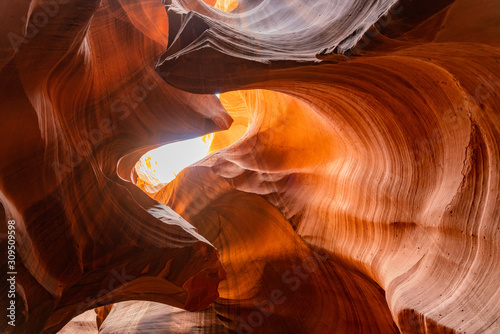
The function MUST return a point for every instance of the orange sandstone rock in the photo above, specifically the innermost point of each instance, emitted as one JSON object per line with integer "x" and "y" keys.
{"x": 356, "y": 192}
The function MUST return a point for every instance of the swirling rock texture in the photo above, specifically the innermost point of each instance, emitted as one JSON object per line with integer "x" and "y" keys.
{"x": 79, "y": 100}
{"x": 357, "y": 192}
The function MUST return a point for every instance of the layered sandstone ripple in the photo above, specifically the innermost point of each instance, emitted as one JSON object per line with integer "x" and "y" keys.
{"x": 80, "y": 102}
{"x": 357, "y": 192}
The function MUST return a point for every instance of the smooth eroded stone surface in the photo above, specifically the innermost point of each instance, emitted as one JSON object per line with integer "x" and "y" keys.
{"x": 85, "y": 323}
{"x": 79, "y": 99}
{"x": 386, "y": 158}
{"x": 358, "y": 190}
{"x": 150, "y": 317}
{"x": 245, "y": 45}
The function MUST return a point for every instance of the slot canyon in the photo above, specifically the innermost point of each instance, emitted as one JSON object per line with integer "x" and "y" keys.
{"x": 336, "y": 168}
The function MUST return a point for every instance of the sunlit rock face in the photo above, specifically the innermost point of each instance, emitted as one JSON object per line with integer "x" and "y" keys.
{"x": 80, "y": 104}
{"x": 356, "y": 191}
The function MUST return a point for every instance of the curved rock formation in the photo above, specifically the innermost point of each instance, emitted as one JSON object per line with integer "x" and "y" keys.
{"x": 389, "y": 180}
{"x": 356, "y": 192}
{"x": 75, "y": 109}
{"x": 230, "y": 49}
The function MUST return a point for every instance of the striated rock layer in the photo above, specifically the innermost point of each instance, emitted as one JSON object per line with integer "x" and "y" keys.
{"x": 384, "y": 154}
{"x": 357, "y": 192}
{"x": 80, "y": 102}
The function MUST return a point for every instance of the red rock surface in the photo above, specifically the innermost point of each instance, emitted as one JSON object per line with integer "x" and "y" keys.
{"x": 356, "y": 192}
{"x": 79, "y": 100}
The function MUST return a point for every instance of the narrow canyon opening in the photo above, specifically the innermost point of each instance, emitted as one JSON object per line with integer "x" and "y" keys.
{"x": 162, "y": 164}
{"x": 327, "y": 166}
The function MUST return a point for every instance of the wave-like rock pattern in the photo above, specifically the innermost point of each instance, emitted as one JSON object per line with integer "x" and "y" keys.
{"x": 80, "y": 102}
{"x": 358, "y": 191}
{"x": 390, "y": 162}
{"x": 230, "y": 49}
{"x": 151, "y": 317}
